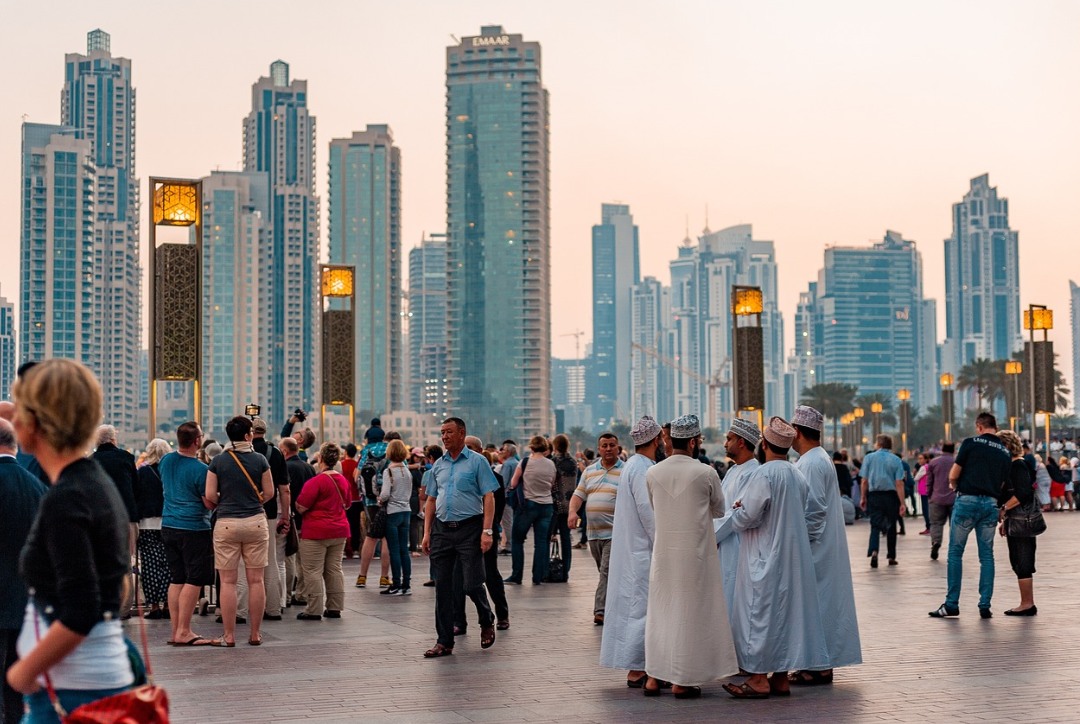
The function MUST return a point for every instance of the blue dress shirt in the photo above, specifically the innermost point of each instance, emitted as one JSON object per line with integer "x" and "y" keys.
{"x": 459, "y": 485}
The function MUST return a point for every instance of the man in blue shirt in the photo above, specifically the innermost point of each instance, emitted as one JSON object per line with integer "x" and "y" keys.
{"x": 458, "y": 517}
{"x": 882, "y": 497}
{"x": 185, "y": 531}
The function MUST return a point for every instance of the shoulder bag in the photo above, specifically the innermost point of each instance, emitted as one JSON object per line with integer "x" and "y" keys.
{"x": 1025, "y": 521}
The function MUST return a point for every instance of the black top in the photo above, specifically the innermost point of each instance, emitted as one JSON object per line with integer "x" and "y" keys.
{"x": 1018, "y": 484}
{"x": 149, "y": 493}
{"x": 985, "y": 461}
{"x": 21, "y": 494}
{"x": 76, "y": 556}
{"x": 278, "y": 471}
{"x": 843, "y": 478}
{"x": 300, "y": 471}
{"x": 119, "y": 465}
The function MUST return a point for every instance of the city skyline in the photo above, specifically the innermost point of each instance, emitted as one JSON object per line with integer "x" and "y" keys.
{"x": 797, "y": 181}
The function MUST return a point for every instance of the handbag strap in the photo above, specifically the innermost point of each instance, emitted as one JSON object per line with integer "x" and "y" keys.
{"x": 258, "y": 493}
{"x": 336, "y": 487}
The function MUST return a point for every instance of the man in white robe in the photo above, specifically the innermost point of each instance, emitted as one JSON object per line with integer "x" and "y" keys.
{"x": 742, "y": 440}
{"x": 776, "y": 622}
{"x": 828, "y": 543}
{"x": 687, "y": 633}
{"x": 623, "y": 642}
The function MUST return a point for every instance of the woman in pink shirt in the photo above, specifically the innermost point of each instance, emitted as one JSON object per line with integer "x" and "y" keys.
{"x": 323, "y": 502}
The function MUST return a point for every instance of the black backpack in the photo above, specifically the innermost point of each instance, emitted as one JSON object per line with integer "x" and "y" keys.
{"x": 556, "y": 569}
{"x": 368, "y": 473}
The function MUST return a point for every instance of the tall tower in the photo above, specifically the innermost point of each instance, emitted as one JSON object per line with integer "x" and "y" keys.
{"x": 498, "y": 235}
{"x": 1074, "y": 325}
{"x": 279, "y": 140}
{"x": 236, "y": 217}
{"x": 427, "y": 327}
{"x": 365, "y": 232}
{"x": 982, "y": 280}
{"x": 8, "y": 350}
{"x": 98, "y": 102}
{"x": 615, "y": 272}
{"x": 60, "y": 309}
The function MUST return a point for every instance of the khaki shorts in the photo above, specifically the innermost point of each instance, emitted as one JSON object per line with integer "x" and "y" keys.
{"x": 236, "y": 537}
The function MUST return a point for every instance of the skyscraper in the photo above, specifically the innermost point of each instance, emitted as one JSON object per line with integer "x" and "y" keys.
{"x": 98, "y": 102}
{"x": 498, "y": 235}
{"x": 60, "y": 307}
{"x": 365, "y": 232}
{"x": 982, "y": 280}
{"x": 1074, "y": 320}
{"x": 8, "y": 351}
{"x": 615, "y": 272}
{"x": 279, "y": 140}
{"x": 865, "y": 322}
{"x": 427, "y": 327}
{"x": 235, "y": 315}
{"x": 650, "y": 379}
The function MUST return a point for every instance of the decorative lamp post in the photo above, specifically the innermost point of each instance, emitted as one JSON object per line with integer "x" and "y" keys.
{"x": 747, "y": 339}
{"x": 947, "y": 404}
{"x": 858, "y": 413}
{"x": 175, "y": 319}
{"x": 338, "y": 297}
{"x": 876, "y": 409}
{"x": 1013, "y": 370}
{"x": 905, "y": 416}
{"x": 1040, "y": 359}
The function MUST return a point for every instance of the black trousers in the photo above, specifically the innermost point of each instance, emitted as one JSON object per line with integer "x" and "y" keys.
{"x": 12, "y": 710}
{"x": 883, "y": 507}
{"x": 452, "y": 543}
{"x": 495, "y": 588}
{"x": 1022, "y": 556}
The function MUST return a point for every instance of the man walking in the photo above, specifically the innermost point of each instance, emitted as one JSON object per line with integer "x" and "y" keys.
{"x": 623, "y": 643}
{"x": 940, "y": 494}
{"x": 458, "y": 516}
{"x": 741, "y": 442}
{"x": 596, "y": 490}
{"x": 977, "y": 475}
{"x": 882, "y": 497}
{"x": 828, "y": 545}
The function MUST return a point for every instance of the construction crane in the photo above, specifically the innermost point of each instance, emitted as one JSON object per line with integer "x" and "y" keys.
{"x": 577, "y": 335}
{"x": 713, "y": 384}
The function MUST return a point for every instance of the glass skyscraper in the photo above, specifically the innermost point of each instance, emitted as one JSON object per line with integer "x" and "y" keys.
{"x": 236, "y": 230}
{"x": 428, "y": 392}
{"x": 615, "y": 271}
{"x": 865, "y": 322}
{"x": 98, "y": 103}
{"x": 498, "y": 235}
{"x": 650, "y": 378}
{"x": 8, "y": 350}
{"x": 1074, "y": 324}
{"x": 279, "y": 140}
{"x": 365, "y": 232}
{"x": 982, "y": 280}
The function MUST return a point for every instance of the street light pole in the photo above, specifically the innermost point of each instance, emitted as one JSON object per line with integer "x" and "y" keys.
{"x": 947, "y": 404}
{"x": 904, "y": 396}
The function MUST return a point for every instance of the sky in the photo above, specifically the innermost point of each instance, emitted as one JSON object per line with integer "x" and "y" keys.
{"x": 820, "y": 123}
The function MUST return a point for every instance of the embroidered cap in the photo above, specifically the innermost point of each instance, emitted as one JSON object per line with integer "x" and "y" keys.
{"x": 806, "y": 416}
{"x": 779, "y": 433}
{"x": 746, "y": 430}
{"x": 645, "y": 431}
{"x": 685, "y": 427}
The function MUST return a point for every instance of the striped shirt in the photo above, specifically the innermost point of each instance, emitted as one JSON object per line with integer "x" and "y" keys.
{"x": 597, "y": 488}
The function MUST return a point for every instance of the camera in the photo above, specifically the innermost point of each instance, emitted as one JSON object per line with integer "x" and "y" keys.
{"x": 299, "y": 414}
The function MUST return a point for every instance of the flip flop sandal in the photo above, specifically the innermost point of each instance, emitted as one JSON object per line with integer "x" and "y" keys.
{"x": 810, "y": 678}
{"x": 221, "y": 643}
{"x": 745, "y": 691}
{"x": 688, "y": 692}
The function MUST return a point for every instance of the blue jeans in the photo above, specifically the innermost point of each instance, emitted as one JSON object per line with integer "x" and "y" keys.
{"x": 978, "y": 513}
{"x": 41, "y": 710}
{"x": 397, "y": 541}
{"x": 538, "y": 517}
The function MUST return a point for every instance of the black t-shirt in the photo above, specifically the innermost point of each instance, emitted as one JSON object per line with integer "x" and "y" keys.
{"x": 985, "y": 461}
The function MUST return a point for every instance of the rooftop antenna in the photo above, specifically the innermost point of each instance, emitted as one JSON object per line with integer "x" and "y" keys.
{"x": 706, "y": 231}
{"x": 686, "y": 239}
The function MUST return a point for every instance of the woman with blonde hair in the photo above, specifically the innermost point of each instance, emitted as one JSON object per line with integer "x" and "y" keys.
{"x": 149, "y": 501}
{"x": 394, "y": 496}
{"x": 323, "y": 502}
{"x": 538, "y": 476}
{"x": 1018, "y": 491}
{"x": 76, "y": 558}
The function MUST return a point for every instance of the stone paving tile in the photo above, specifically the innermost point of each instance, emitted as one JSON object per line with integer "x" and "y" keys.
{"x": 368, "y": 666}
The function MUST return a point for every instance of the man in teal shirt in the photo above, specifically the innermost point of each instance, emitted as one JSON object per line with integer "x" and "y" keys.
{"x": 883, "y": 497}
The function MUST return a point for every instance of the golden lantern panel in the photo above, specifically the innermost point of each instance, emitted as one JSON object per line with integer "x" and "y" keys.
{"x": 337, "y": 282}
{"x": 859, "y": 412}
{"x": 876, "y": 407}
{"x": 747, "y": 300}
{"x": 946, "y": 380}
{"x": 1013, "y": 368}
{"x": 176, "y": 204}
{"x": 903, "y": 395}
{"x": 1038, "y": 319}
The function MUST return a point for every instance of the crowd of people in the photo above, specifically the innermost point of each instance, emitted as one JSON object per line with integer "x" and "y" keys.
{"x": 738, "y": 570}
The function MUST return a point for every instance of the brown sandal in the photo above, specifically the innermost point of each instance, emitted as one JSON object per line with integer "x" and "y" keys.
{"x": 438, "y": 650}
{"x": 745, "y": 691}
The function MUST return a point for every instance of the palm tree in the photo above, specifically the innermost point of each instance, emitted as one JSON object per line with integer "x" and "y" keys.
{"x": 986, "y": 377}
{"x": 832, "y": 399}
{"x": 867, "y": 403}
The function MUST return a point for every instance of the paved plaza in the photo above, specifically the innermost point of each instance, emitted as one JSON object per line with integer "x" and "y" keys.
{"x": 368, "y": 666}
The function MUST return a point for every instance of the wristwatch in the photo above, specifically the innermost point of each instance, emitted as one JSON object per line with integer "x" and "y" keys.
{"x": 488, "y": 531}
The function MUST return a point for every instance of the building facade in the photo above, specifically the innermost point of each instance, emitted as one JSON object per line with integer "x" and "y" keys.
{"x": 236, "y": 230}
{"x": 1074, "y": 324}
{"x": 365, "y": 232}
{"x": 428, "y": 393}
{"x": 650, "y": 378}
{"x": 615, "y": 271}
{"x": 9, "y": 351}
{"x": 866, "y": 323}
{"x": 279, "y": 140}
{"x": 982, "y": 280}
{"x": 498, "y": 235}
{"x": 98, "y": 103}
